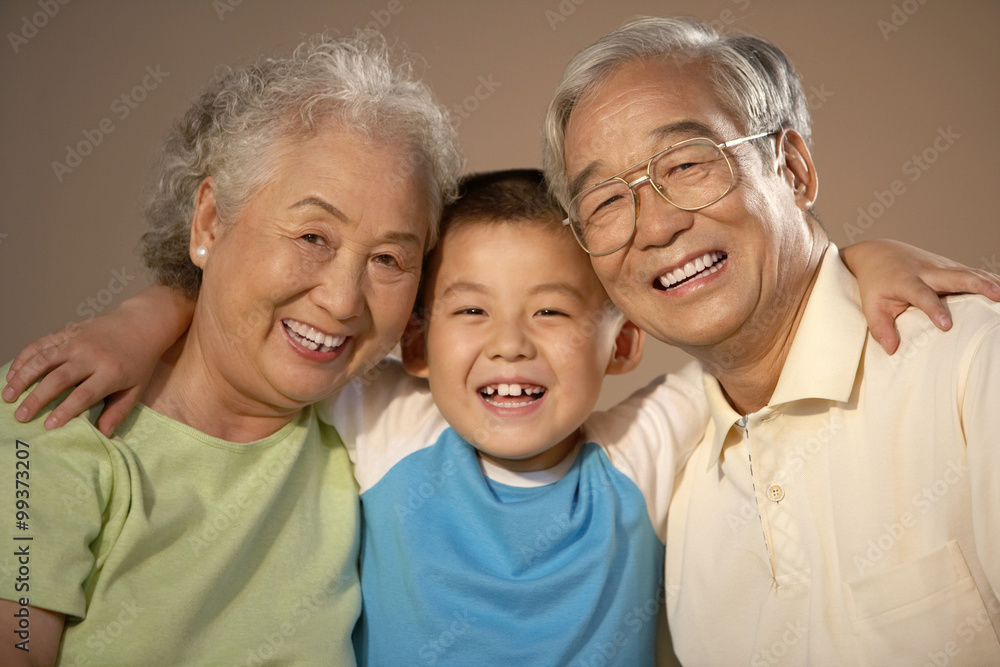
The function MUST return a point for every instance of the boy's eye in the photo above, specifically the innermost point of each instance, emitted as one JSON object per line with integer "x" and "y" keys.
{"x": 470, "y": 311}
{"x": 551, "y": 312}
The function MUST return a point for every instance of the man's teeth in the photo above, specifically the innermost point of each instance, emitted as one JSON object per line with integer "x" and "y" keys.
{"x": 512, "y": 389}
{"x": 709, "y": 262}
{"x": 313, "y": 338}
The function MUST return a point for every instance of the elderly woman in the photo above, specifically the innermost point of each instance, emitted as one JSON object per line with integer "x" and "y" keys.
{"x": 220, "y": 526}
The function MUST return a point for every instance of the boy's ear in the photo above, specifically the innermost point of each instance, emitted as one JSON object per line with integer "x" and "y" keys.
{"x": 414, "y": 346}
{"x": 205, "y": 224}
{"x": 795, "y": 165}
{"x": 628, "y": 349}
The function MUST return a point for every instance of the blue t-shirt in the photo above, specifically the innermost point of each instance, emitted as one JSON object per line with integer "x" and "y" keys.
{"x": 465, "y": 564}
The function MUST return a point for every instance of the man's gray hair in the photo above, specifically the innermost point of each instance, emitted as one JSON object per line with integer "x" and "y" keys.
{"x": 230, "y": 131}
{"x": 753, "y": 79}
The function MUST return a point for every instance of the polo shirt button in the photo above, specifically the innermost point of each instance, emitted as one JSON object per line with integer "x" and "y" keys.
{"x": 775, "y": 493}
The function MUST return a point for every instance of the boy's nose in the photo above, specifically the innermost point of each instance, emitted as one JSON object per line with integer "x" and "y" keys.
{"x": 510, "y": 341}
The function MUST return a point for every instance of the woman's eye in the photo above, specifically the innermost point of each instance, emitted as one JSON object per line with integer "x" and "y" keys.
{"x": 313, "y": 239}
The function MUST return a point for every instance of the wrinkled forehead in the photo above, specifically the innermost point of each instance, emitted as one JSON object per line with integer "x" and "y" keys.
{"x": 637, "y": 109}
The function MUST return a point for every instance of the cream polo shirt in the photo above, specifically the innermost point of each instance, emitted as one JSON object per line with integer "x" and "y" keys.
{"x": 856, "y": 518}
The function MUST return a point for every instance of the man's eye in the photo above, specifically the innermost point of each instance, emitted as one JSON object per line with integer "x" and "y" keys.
{"x": 385, "y": 259}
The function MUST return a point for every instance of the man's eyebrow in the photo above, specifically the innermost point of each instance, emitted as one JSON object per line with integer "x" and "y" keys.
{"x": 325, "y": 205}
{"x": 687, "y": 129}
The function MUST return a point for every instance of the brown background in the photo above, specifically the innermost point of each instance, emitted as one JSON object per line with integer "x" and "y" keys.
{"x": 887, "y": 77}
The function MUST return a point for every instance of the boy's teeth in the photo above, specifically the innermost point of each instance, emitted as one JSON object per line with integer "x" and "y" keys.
{"x": 511, "y": 389}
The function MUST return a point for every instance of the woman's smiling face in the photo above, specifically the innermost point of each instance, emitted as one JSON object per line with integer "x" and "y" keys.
{"x": 314, "y": 280}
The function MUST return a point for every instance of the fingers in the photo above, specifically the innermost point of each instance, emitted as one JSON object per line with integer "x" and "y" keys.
{"x": 40, "y": 353}
{"x": 883, "y": 329}
{"x": 30, "y": 367}
{"x": 116, "y": 408}
{"x": 52, "y": 385}
{"x": 978, "y": 282}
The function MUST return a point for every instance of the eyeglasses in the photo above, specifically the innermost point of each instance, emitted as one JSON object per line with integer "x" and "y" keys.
{"x": 691, "y": 175}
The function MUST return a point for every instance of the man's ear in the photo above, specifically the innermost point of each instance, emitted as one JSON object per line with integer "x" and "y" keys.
{"x": 628, "y": 349}
{"x": 796, "y": 167}
{"x": 205, "y": 224}
{"x": 414, "y": 346}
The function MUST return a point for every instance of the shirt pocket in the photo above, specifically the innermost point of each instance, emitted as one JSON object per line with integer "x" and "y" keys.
{"x": 924, "y": 611}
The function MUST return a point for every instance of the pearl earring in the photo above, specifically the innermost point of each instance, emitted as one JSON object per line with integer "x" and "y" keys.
{"x": 201, "y": 251}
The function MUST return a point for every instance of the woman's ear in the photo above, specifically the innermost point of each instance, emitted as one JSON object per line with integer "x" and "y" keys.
{"x": 205, "y": 224}
{"x": 796, "y": 167}
{"x": 628, "y": 349}
{"x": 414, "y": 346}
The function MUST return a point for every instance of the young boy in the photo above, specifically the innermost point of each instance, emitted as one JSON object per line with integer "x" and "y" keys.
{"x": 499, "y": 527}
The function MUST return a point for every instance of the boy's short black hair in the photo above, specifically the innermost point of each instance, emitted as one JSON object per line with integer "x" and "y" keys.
{"x": 508, "y": 195}
{"x": 500, "y": 196}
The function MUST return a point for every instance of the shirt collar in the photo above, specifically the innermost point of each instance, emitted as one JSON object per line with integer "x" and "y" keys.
{"x": 825, "y": 353}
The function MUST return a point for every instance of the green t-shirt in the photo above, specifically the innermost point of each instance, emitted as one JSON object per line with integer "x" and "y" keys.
{"x": 165, "y": 546}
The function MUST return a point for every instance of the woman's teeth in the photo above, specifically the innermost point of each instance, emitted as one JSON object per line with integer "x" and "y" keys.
{"x": 311, "y": 338}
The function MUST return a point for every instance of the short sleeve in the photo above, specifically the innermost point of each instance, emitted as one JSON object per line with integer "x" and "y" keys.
{"x": 650, "y": 435}
{"x": 62, "y": 481}
{"x": 383, "y": 417}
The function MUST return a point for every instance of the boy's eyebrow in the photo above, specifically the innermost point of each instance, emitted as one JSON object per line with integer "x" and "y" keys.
{"x": 479, "y": 288}
{"x": 464, "y": 286}
{"x": 562, "y": 288}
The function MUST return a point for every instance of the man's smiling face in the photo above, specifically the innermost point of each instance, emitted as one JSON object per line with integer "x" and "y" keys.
{"x": 689, "y": 278}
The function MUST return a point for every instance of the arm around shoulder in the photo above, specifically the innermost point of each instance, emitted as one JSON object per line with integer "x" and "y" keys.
{"x": 31, "y": 635}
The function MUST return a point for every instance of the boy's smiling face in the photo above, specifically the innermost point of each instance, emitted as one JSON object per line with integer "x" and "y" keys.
{"x": 519, "y": 336}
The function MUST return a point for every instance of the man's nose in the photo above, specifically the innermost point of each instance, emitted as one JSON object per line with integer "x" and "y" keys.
{"x": 657, "y": 221}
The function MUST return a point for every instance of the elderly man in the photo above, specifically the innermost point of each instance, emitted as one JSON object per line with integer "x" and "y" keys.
{"x": 844, "y": 505}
